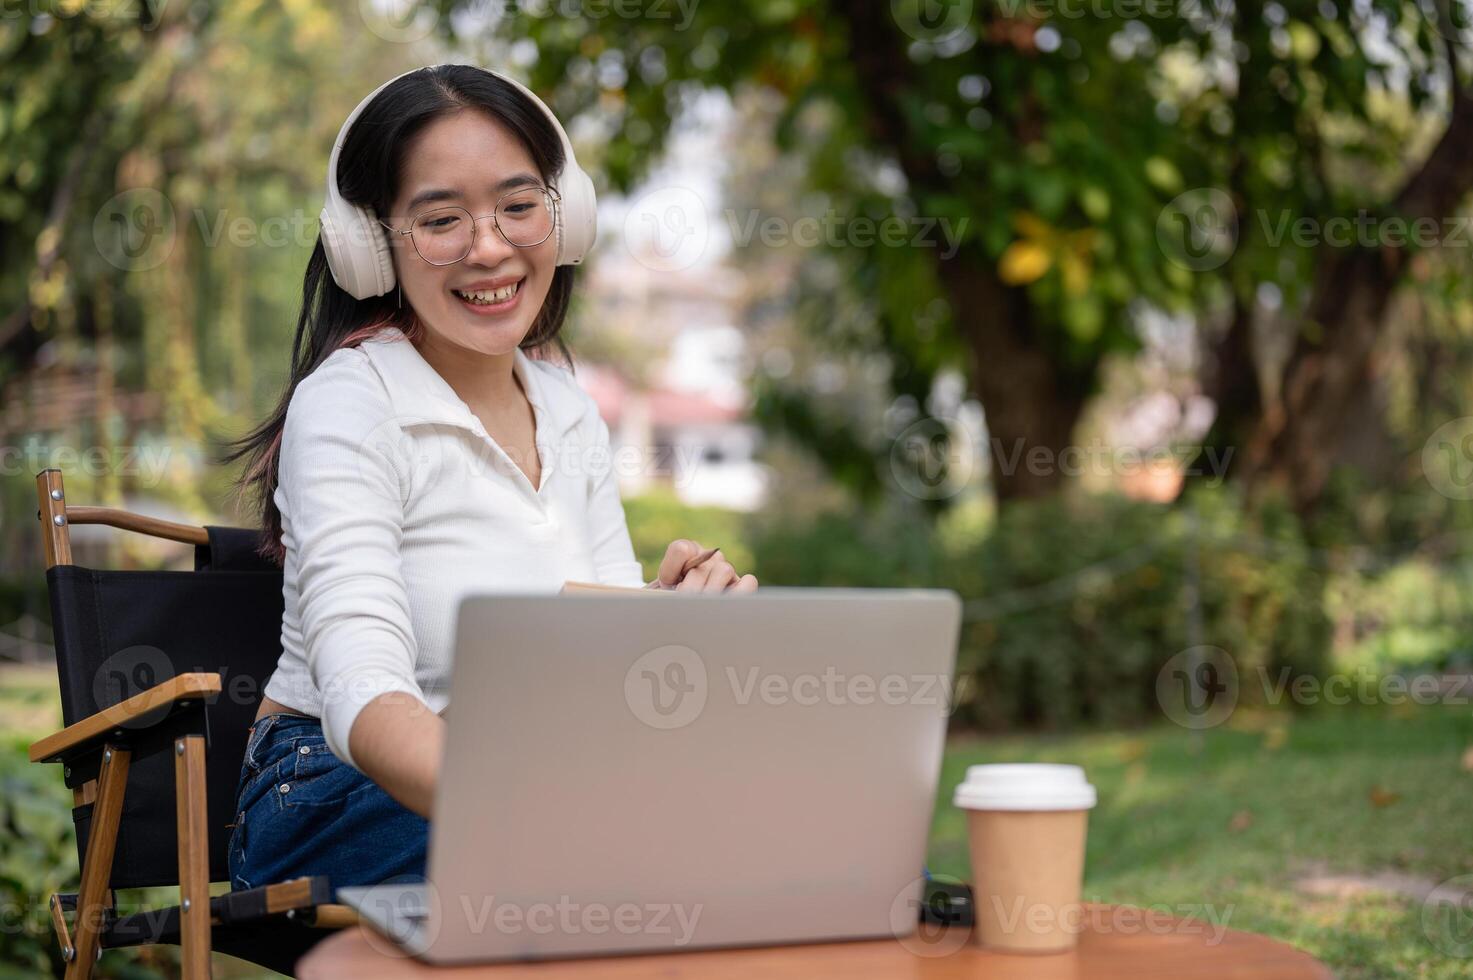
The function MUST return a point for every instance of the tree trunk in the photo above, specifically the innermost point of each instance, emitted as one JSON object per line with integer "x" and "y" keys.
{"x": 1230, "y": 379}
{"x": 1230, "y": 370}
{"x": 1031, "y": 408}
{"x": 1032, "y": 405}
{"x": 1295, "y": 446}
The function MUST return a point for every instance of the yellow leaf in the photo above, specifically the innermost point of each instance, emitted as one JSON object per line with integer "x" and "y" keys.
{"x": 1030, "y": 225}
{"x": 1023, "y": 262}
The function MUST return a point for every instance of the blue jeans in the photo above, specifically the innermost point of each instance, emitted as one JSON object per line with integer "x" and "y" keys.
{"x": 300, "y": 810}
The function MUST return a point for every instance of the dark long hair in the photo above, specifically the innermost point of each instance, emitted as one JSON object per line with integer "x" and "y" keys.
{"x": 369, "y": 171}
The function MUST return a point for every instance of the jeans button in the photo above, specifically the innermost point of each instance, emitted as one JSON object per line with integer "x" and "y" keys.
{"x": 286, "y": 787}
{"x": 305, "y": 749}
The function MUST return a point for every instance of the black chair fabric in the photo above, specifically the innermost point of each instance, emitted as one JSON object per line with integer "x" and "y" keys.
{"x": 120, "y": 632}
{"x": 232, "y": 549}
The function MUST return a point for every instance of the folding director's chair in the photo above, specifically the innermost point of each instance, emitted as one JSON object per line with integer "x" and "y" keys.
{"x": 161, "y": 673}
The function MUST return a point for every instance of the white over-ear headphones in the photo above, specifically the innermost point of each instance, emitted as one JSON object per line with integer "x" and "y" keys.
{"x": 358, "y": 249}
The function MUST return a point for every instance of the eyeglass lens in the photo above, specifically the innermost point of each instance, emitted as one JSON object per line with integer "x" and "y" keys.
{"x": 445, "y": 235}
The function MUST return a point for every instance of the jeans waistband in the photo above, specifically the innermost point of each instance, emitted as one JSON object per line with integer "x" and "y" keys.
{"x": 281, "y": 721}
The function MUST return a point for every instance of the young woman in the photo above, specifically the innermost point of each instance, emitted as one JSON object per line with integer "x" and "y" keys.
{"x": 422, "y": 452}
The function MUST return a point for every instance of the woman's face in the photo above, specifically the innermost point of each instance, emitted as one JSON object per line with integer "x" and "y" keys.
{"x": 469, "y": 159}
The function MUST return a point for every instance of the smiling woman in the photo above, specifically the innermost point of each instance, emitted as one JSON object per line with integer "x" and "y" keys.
{"x": 500, "y": 278}
{"x": 424, "y": 450}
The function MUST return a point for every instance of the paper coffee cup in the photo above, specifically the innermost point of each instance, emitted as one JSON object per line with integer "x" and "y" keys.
{"x": 1026, "y": 825}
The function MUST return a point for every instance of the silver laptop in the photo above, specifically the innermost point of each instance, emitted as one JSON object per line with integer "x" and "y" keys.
{"x": 640, "y": 773}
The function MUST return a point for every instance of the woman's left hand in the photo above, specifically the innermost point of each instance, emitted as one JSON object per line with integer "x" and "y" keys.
{"x": 715, "y": 574}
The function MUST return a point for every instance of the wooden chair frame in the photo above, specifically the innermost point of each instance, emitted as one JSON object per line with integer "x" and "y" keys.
{"x": 108, "y": 736}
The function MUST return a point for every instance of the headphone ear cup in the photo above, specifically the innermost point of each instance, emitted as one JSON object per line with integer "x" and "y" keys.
{"x": 357, "y": 251}
{"x": 577, "y": 216}
{"x": 382, "y": 255}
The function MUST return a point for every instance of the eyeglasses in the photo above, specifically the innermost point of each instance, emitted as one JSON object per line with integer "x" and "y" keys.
{"x": 443, "y": 236}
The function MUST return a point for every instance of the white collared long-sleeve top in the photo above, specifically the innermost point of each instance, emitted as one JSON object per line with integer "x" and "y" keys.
{"x": 396, "y": 504}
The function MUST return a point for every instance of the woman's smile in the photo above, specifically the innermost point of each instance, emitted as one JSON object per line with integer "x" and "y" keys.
{"x": 486, "y": 299}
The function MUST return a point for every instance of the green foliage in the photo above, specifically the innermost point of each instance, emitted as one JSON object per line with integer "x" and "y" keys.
{"x": 655, "y": 519}
{"x": 1054, "y": 138}
{"x": 1415, "y": 616}
{"x": 37, "y": 858}
{"x": 1130, "y": 571}
{"x": 1075, "y": 603}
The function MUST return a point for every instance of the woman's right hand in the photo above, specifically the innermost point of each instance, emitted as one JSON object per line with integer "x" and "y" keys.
{"x": 715, "y": 574}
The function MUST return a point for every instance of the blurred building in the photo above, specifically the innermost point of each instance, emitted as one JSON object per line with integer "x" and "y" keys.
{"x": 683, "y": 422}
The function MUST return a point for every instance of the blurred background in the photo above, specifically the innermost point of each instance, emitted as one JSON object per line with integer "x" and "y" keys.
{"x": 1145, "y": 325}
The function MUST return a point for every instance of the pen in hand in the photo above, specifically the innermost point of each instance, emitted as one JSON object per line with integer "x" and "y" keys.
{"x": 684, "y": 569}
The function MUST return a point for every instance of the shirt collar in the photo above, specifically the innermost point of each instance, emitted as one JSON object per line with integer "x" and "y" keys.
{"x": 419, "y": 395}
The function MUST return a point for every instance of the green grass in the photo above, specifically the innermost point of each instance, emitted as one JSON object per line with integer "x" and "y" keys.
{"x": 1239, "y": 820}
{"x": 1235, "y": 819}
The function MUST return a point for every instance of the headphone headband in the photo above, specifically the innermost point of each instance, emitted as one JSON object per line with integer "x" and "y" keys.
{"x": 358, "y": 250}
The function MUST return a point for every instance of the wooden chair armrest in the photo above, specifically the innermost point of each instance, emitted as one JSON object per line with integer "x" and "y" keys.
{"x": 132, "y": 714}
{"x": 334, "y": 917}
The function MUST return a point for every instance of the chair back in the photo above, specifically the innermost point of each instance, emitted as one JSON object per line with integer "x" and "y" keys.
{"x": 118, "y": 632}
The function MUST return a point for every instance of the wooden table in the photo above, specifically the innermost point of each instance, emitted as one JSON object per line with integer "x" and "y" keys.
{"x": 1117, "y": 942}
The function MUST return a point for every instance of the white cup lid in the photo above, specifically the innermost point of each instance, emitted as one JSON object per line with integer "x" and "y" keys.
{"x": 1025, "y": 787}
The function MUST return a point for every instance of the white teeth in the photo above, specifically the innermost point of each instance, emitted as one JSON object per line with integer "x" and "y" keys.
{"x": 487, "y": 297}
